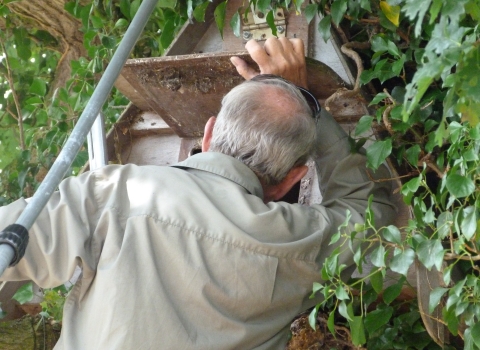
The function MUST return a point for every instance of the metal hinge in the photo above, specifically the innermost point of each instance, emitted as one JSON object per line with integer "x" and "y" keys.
{"x": 255, "y": 26}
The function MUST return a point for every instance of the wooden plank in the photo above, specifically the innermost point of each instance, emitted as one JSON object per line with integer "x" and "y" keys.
{"x": 187, "y": 90}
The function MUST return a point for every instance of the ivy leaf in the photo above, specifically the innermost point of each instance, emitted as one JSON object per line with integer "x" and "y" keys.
{"x": 169, "y": 4}
{"x": 376, "y": 319}
{"x": 167, "y": 35}
{"x": 342, "y": 309}
{"x": 341, "y": 294}
{"x": 125, "y": 8}
{"x": 235, "y": 24}
{"x": 364, "y": 124}
{"x": 393, "y": 291}
{"x": 38, "y": 87}
{"x": 378, "y": 256}
{"x": 121, "y": 23}
{"x": 311, "y": 11}
{"x": 312, "y": 318}
{"x": 431, "y": 252}
{"x": 324, "y": 27}
{"x": 134, "y": 6}
{"x": 391, "y": 12}
{"x": 376, "y": 280}
{"x": 469, "y": 222}
{"x": 412, "y": 155}
{"x": 358, "y": 331}
{"x": 219, "y": 14}
{"x": 24, "y": 294}
{"x": 199, "y": 12}
{"x": 337, "y": 10}
{"x": 475, "y": 332}
{"x": 402, "y": 261}
{"x": 392, "y": 234}
{"x": 435, "y": 297}
{"x": 460, "y": 186}
{"x": 378, "y": 152}
{"x": 271, "y": 22}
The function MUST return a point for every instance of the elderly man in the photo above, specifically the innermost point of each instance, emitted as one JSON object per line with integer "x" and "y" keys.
{"x": 199, "y": 255}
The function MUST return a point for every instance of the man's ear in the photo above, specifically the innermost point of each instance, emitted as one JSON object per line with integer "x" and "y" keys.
{"x": 208, "y": 133}
{"x": 293, "y": 176}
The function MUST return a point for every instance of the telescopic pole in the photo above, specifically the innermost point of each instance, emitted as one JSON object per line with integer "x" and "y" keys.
{"x": 14, "y": 238}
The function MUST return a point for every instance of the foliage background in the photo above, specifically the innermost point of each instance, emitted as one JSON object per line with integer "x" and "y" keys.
{"x": 421, "y": 57}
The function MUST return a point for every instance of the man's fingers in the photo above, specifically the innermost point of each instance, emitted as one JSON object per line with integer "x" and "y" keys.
{"x": 298, "y": 46}
{"x": 243, "y": 68}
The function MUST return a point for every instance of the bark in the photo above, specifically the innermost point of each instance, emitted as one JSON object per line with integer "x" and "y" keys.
{"x": 50, "y": 16}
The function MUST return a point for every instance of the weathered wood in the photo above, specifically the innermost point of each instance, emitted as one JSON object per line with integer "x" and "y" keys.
{"x": 187, "y": 90}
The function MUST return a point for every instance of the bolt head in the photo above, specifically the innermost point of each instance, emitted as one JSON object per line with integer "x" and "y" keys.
{"x": 247, "y": 35}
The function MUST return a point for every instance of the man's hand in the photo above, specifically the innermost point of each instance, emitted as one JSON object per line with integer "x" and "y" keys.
{"x": 283, "y": 57}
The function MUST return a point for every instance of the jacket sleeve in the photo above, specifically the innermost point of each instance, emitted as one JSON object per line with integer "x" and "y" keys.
{"x": 346, "y": 183}
{"x": 62, "y": 237}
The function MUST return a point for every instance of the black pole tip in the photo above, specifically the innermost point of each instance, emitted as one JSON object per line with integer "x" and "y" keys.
{"x": 16, "y": 236}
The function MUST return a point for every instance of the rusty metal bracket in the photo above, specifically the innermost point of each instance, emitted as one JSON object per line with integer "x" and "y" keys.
{"x": 255, "y": 26}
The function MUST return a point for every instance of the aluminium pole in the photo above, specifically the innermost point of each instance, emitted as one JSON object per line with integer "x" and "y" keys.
{"x": 14, "y": 238}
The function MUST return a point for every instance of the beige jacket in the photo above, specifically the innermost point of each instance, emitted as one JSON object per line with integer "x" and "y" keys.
{"x": 189, "y": 257}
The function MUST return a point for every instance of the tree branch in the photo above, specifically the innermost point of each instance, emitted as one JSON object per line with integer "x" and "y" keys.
{"x": 15, "y": 97}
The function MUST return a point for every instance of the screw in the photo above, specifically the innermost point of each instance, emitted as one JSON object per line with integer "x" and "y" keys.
{"x": 247, "y": 35}
{"x": 280, "y": 29}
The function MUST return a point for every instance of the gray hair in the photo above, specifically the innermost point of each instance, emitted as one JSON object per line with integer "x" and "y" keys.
{"x": 268, "y": 126}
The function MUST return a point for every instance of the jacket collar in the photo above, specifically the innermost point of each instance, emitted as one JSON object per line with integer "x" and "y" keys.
{"x": 227, "y": 167}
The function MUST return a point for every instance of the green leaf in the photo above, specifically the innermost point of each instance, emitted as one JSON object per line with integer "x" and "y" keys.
{"x": 235, "y": 24}
{"x": 402, "y": 261}
{"x": 109, "y": 42}
{"x": 168, "y": 33}
{"x": 469, "y": 222}
{"x": 378, "y": 256}
{"x": 363, "y": 125}
{"x": 97, "y": 22}
{"x": 125, "y": 8}
{"x": 393, "y": 291}
{"x": 24, "y": 294}
{"x": 475, "y": 332}
{"x": 219, "y": 14}
{"x": 121, "y": 23}
{"x": 358, "y": 331}
{"x": 342, "y": 309}
{"x": 331, "y": 322}
{"x": 412, "y": 155}
{"x": 38, "y": 87}
{"x": 134, "y": 6}
{"x": 337, "y": 10}
{"x": 312, "y": 318}
{"x": 341, "y": 294}
{"x": 430, "y": 253}
{"x": 412, "y": 185}
{"x": 271, "y": 22}
{"x": 392, "y": 234}
{"x": 435, "y": 297}
{"x": 444, "y": 223}
{"x": 324, "y": 27}
{"x": 310, "y": 12}
{"x": 378, "y": 152}
{"x": 376, "y": 280}
{"x": 378, "y": 318}
{"x": 460, "y": 186}
{"x": 199, "y": 12}
{"x": 167, "y": 4}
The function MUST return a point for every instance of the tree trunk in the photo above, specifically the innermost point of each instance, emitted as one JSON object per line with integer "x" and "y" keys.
{"x": 51, "y": 16}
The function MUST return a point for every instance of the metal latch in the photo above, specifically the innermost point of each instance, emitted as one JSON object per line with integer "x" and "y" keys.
{"x": 255, "y": 26}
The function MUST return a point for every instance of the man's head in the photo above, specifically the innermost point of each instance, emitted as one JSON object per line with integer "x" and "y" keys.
{"x": 268, "y": 126}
